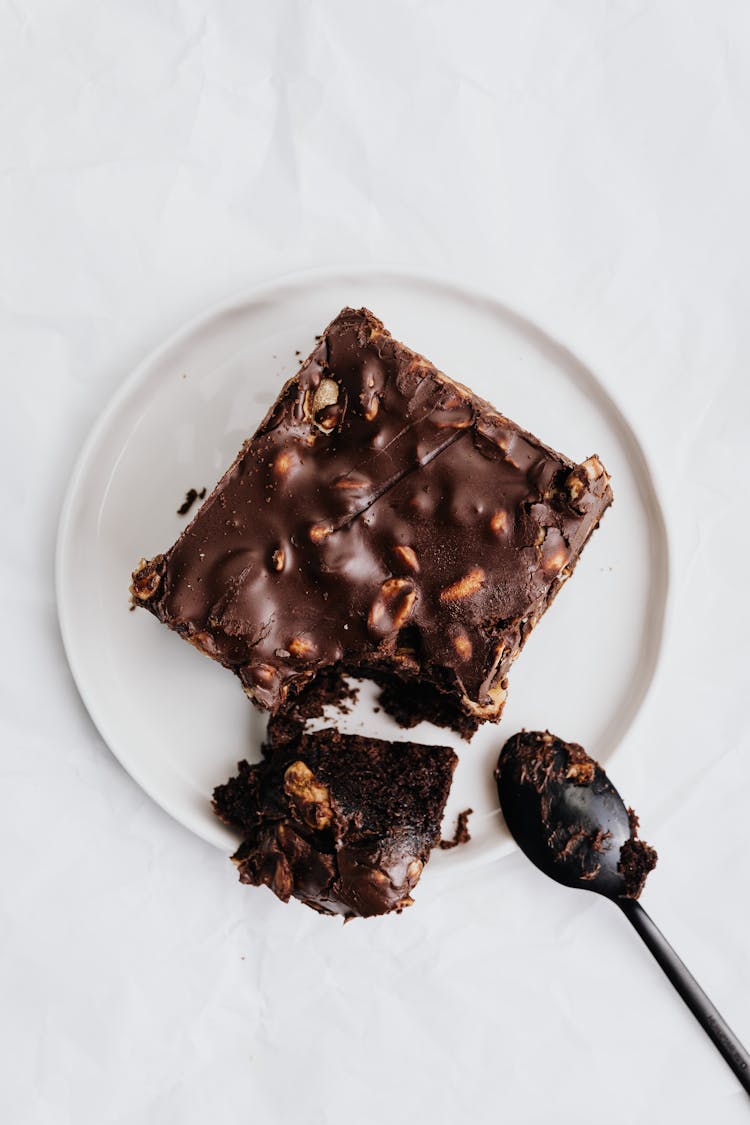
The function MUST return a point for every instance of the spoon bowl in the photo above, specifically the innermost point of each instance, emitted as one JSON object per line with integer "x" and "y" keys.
{"x": 565, "y": 814}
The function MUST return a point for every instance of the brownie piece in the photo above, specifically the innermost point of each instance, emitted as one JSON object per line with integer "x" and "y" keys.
{"x": 461, "y": 834}
{"x": 343, "y": 823}
{"x": 383, "y": 521}
{"x": 547, "y": 779}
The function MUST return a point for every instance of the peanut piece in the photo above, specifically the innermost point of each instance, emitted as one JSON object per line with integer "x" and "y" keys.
{"x": 301, "y": 647}
{"x": 146, "y": 581}
{"x": 320, "y": 531}
{"x": 499, "y": 522}
{"x": 311, "y": 799}
{"x": 407, "y": 556}
{"x": 471, "y": 582}
{"x": 392, "y": 607}
{"x": 463, "y": 645}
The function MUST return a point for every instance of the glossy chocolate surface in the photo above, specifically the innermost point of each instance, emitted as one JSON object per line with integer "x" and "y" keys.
{"x": 381, "y": 517}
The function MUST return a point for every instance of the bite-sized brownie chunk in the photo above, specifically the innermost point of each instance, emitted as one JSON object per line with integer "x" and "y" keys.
{"x": 383, "y": 521}
{"x": 343, "y": 823}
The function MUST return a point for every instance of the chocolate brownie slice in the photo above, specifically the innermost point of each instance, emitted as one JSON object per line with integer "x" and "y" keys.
{"x": 385, "y": 522}
{"x": 343, "y": 823}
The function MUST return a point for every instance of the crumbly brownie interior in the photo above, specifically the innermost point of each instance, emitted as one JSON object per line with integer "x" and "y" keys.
{"x": 637, "y": 860}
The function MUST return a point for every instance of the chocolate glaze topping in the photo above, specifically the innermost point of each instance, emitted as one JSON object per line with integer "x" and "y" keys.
{"x": 343, "y": 823}
{"x": 382, "y": 519}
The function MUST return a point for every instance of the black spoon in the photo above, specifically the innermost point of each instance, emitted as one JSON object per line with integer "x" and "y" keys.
{"x": 568, "y": 818}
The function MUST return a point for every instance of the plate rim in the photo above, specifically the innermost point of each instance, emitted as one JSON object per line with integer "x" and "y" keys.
{"x": 253, "y": 295}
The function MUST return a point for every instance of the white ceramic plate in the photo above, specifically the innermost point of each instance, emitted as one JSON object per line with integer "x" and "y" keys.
{"x": 178, "y": 722}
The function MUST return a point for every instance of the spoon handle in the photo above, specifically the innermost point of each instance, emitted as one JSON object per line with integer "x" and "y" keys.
{"x": 691, "y": 992}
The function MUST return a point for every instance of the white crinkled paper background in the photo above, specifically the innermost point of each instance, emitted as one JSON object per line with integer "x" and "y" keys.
{"x": 585, "y": 162}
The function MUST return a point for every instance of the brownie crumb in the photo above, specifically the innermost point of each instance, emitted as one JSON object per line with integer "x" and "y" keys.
{"x": 637, "y": 859}
{"x": 462, "y": 835}
{"x": 191, "y": 496}
{"x": 410, "y": 704}
{"x": 330, "y": 688}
